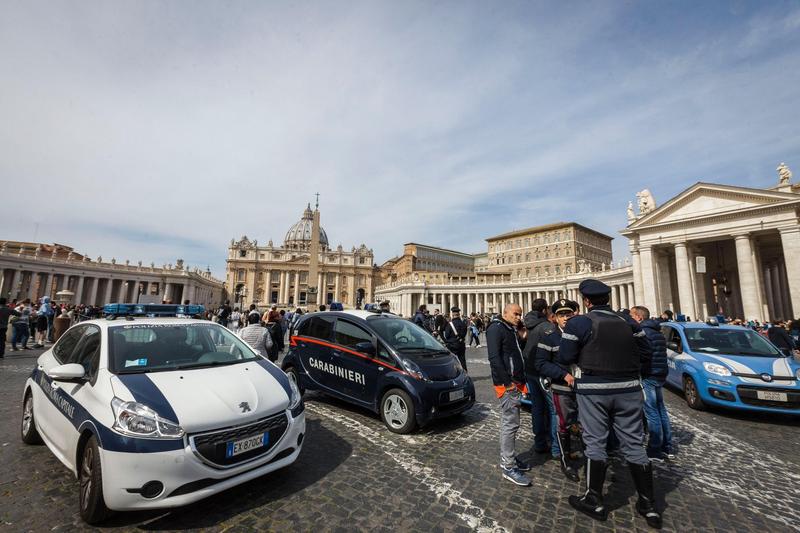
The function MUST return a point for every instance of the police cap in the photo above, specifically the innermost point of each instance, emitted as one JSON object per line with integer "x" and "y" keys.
{"x": 593, "y": 287}
{"x": 455, "y": 310}
{"x": 563, "y": 305}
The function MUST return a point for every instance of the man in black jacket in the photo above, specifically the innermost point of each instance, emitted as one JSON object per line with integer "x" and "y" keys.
{"x": 508, "y": 376}
{"x": 5, "y": 314}
{"x": 778, "y": 335}
{"x": 420, "y": 319}
{"x": 536, "y": 322}
{"x": 659, "y": 446}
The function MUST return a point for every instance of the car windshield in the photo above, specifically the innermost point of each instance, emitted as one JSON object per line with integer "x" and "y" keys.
{"x": 729, "y": 342}
{"x": 404, "y": 336}
{"x": 137, "y": 348}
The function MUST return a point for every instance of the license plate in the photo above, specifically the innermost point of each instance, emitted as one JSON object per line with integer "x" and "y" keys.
{"x": 245, "y": 445}
{"x": 772, "y": 396}
{"x": 455, "y": 395}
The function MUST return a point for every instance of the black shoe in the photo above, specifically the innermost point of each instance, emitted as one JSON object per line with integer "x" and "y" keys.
{"x": 591, "y": 503}
{"x": 522, "y": 466}
{"x": 643, "y": 479}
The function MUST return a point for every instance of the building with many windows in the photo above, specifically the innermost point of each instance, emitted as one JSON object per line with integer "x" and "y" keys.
{"x": 425, "y": 261}
{"x": 552, "y": 250}
{"x": 32, "y": 270}
{"x": 271, "y": 274}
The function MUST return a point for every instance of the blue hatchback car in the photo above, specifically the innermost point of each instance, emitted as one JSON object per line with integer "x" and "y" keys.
{"x": 730, "y": 366}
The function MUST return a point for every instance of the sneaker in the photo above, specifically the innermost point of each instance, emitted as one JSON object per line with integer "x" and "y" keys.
{"x": 516, "y": 477}
{"x": 656, "y": 458}
{"x": 522, "y": 466}
{"x": 669, "y": 456}
{"x": 478, "y": 346}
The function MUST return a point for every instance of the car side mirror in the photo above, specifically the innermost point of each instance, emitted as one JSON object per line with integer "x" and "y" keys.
{"x": 72, "y": 372}
{"x": 366, "y": 348}
{"x": 674, "y": 346}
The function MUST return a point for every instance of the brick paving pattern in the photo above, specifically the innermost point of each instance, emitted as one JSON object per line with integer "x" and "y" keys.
{"x": 734, "y": 472}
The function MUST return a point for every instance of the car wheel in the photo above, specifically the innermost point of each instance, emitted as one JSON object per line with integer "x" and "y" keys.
{"x": 692, "y": 394}
{"x": 92, "y": 506}
{"x": 291, "y": 372}
{"x": 397, "y": 411}
{"x": 29, "y": 433}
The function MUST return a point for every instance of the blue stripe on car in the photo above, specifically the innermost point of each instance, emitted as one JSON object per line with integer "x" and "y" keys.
{"x": 145, "y": 392}
{"x": 279, "y": 375}
{"x": 107, "y": 438}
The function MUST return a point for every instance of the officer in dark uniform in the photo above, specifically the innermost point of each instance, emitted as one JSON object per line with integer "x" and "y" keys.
{"x": 610, "y": 352}
{"x": 557, "y": 382}
{"x": 453, "y": 335}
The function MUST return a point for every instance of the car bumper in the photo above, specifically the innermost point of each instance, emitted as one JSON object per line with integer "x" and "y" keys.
{"x": 743, "y": 396}
{"x": 435, "y": 403}
{"x": 186, "y": 479}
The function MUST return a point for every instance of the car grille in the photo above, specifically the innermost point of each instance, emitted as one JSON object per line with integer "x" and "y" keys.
{"x": 749, "y": 396}
{"x": 211, "y": 446}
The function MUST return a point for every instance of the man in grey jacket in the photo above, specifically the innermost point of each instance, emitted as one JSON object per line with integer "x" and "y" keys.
{"x": 257, "y": 336}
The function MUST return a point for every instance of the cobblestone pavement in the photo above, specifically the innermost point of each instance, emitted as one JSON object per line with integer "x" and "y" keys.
{"x": 734, "y": 473}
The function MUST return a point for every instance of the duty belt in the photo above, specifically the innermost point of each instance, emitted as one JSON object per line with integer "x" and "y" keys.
{"x": 608, "y": 385}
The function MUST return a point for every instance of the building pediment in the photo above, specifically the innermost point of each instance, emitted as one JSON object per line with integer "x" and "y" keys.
{"x": 706, "y": 200}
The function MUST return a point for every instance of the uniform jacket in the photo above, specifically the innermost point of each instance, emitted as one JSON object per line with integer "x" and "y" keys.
{"x": 536, "y": 323}
{"x": 658, "y": 365}
{"x": 577, "y": 334}
{"x": 450, "y": 337}
{"x": 545, "y": 356}
{"x": 505, "y": 354}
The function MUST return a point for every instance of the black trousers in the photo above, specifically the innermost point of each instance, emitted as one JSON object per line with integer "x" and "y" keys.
{"x": 460, "y": 350}
{"x": 2, "y": 342}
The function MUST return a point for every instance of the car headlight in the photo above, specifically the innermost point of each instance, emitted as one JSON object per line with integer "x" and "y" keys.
{"x": 414, "y": 370}
{"x": 797, "y": 373}
{"x": 295, "y": 398}
{"x": 138, "y": 420}
{"x": 719, "y": 370}
{"x": 457, "y": 364}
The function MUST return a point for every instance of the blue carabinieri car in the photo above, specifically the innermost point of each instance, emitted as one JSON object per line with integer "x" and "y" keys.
{"x": 730, "y": 366}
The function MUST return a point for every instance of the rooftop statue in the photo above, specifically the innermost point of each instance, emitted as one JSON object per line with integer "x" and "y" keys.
{"x": 646, "y": 202}
{"x": 784, "y": 174}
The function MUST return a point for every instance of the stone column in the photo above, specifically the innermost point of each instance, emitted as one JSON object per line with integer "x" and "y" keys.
{"x": 771, "y": 314}
{"x": 297, "y": 288}
{"x": 93, "y": 292}
{"x": 648, "y": 296}
{"x": 167, "y": 292}
{"x": 122, "y": 293}
{"x": 683, "y": 271}
{"x": 282, "y": 288}
{"x": 190, "y": 291}
{"x": 48, "y": 285}
{"x": 747, "y": 277}
{"x": 614, "y": 298}
{"x": 785, "y": 300}
{"x": 79, "y": 291}
{"x": 107, "y": 295}
{"x": 638, "y": 283}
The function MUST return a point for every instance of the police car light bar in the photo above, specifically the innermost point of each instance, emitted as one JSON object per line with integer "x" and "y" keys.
{"x": 152, "y": 310}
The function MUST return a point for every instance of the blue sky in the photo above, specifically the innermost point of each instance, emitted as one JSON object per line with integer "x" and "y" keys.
{"x": 156, "y": 130}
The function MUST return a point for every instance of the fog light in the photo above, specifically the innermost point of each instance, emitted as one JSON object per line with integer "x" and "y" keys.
{"x": 722, "y": 395}
{"x": 151, "y": 489}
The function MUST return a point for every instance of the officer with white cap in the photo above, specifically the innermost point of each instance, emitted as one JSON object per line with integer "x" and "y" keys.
{"x": 610, "y": 352}
{"x": 453, "y": 335}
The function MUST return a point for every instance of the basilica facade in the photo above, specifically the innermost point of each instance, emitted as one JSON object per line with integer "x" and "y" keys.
{"x": 265, "y": 275}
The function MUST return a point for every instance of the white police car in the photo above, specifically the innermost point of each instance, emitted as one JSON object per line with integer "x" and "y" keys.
{"x": 159, "y": 412}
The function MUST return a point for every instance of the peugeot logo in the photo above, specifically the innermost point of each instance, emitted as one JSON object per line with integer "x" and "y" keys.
{"x": 244, "y": 406}
{"x": 766, "y": 377}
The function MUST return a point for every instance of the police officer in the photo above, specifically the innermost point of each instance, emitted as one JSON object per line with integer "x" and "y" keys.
{"x": 557, "y": 382}
{"x": 453, "y": 335}
{"x": 610, "y": 352}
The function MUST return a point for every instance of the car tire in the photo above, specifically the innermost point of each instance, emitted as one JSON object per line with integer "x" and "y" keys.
{"x": 692, "y": 394}
{"x": 90, "y": 475}
{"x": 29, "y": 433}
{"x": 398, "y": 412}
{"x": 292, "y": 373}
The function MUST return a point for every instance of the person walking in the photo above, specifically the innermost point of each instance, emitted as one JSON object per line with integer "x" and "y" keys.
{"x": 659, "y": 446}
{"x": 235, "y": 320}
{"x": 611, "y": 352}
{"x": 420, "y": 320}
{"x": 557, "y": 381}
{"x": 454, "y": 334}
{"x": 778, "y": 335}
{"x": 21, "y": 331}
{"x": 508, "y": 377}
{"x": 5, "y": 315}
{"x": 542, "y": 413}
{"x": 256, "y": 336}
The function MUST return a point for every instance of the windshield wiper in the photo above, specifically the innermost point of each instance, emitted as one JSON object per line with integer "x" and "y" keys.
{"x": 757, "y": 353}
